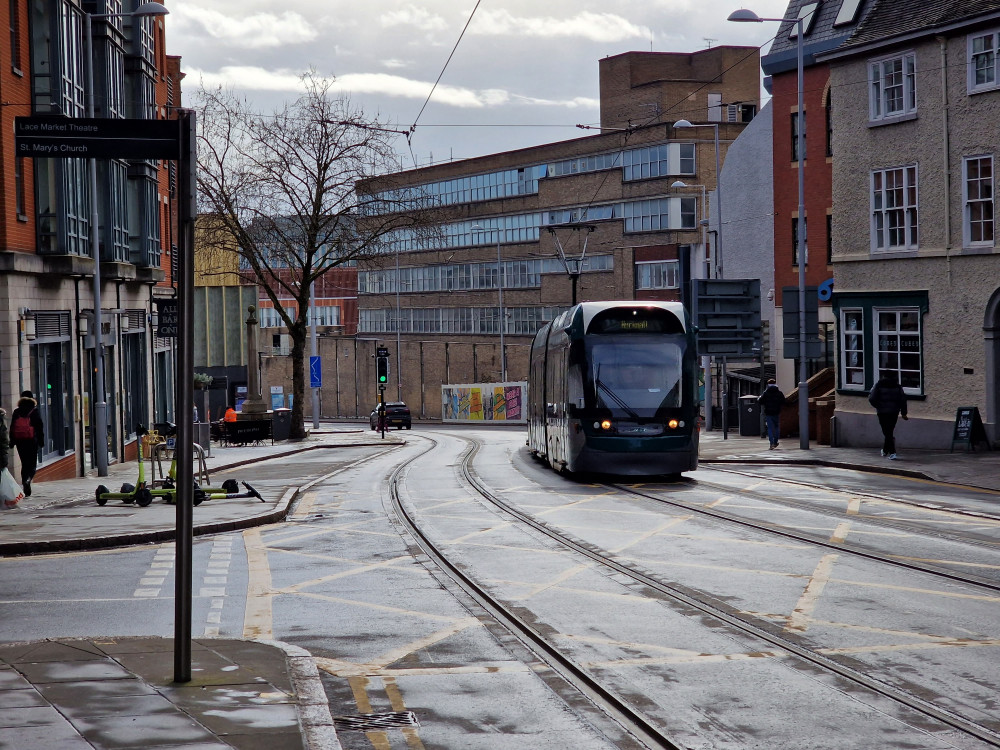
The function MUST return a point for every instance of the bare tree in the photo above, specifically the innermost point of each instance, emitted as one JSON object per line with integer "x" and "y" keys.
{"x": 279, "y": 191}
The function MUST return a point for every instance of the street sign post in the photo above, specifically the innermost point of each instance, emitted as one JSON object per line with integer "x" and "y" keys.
{"x": 315, "y": 373}
{"x": 727, "y": 313}
{"x": 96, "y": 138}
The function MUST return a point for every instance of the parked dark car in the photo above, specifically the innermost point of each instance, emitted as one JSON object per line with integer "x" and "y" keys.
{"x": 397, "y": 414}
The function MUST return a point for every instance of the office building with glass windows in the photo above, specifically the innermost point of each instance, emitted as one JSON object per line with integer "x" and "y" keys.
{"x": 48, "y": 336}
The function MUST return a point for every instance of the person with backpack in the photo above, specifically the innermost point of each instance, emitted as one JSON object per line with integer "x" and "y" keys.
{"x": 27, "y": 433}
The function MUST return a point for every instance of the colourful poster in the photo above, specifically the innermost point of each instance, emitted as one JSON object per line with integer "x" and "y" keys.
{"x": 483, "y": 402}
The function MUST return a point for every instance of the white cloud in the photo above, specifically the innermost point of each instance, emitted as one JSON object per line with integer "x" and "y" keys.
{"x": 393, "y": 63}
{"x": 413, "y": 17}
{"x": 379, "y": 84}
{"x": 255, "y": 31}
{"x": 598, "y": 27}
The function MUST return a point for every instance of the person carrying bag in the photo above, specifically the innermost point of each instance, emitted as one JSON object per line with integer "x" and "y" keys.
{"x": 10, "y": 491}
{"x": 27, "y": 432}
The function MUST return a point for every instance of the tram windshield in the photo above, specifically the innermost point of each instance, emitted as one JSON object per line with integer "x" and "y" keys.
{"x": 636, "y": 376}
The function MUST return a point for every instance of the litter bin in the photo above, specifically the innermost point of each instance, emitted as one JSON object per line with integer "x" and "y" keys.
{"x": 281, "y": 423}
{"x": 749, "y": 416}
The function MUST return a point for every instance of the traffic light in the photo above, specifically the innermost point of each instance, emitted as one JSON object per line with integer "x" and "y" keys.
{"x": 382, "y": 370}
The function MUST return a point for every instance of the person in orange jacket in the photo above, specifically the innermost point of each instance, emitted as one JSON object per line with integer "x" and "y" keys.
{"x": 230, "y": 415}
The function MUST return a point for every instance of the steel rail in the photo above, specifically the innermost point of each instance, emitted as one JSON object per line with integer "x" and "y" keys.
{"x": 719, "y": 613}
{"x": 799, "y": 536}
{"x": 630, "y": 719}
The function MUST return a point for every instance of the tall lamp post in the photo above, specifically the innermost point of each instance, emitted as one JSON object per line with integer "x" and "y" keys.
{"x": 748, "y": 16}
{"x": 503, "y": 351}
{"x": 99, "y": 428}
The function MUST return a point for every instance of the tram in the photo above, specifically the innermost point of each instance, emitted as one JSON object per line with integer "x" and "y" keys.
{"x": 613, "y": 389}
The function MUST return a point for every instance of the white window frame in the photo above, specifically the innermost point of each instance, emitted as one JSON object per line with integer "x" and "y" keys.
{"x": 881, "y": 77}
{"x": 883, "y": 349}
{"x": 856, "y": 338}
{"x": 657, "y": 274}
{"x": 990, "y": 54}
{"x": 978, "y": 198}
{"x": 889, "y": 203}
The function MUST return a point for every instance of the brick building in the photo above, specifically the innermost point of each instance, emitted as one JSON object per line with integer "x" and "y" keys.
{"x": 46, "y": 286}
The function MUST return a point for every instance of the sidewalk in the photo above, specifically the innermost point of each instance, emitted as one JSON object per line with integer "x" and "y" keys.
{"x": 118, "y": 692}
{"x": 977, "y": 469}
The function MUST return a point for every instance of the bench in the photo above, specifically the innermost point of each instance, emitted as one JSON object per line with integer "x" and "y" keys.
{"x": 246, "y": 432}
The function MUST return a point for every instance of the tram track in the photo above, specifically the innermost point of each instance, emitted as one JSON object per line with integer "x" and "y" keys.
{"x": 630, "y": 719}
{"x": 742, "y": 623}
{"x": 838, "y": 546}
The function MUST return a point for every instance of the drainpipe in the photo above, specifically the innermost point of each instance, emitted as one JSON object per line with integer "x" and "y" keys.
{"x": 946, "y": 147}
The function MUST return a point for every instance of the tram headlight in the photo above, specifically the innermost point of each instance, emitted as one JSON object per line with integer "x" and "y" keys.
{"x": 673, "y": 424}
{"x": 604, "y": 424}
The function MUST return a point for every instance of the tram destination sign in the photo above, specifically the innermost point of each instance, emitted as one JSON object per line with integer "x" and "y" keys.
{"x": 96, "y": 138}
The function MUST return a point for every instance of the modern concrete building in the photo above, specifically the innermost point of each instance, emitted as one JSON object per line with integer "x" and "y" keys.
{"x": 915, "y": 258}
{"x": 47, "y": 337}
{"x": 520, "y": 235}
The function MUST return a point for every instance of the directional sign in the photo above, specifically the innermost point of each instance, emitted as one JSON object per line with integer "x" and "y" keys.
{"x": 96, "y": 138}
{"x": 315, "y": 373}
{"x": 727, "y": 313}
{"x": 167, "y": 318}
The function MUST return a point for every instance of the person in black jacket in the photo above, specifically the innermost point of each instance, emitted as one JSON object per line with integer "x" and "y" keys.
{"x": 27, "y": 433}
{"x": 889, "y": 400}
{"x": 771, "y": 401}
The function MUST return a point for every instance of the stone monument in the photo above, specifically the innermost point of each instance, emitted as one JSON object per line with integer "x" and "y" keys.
{"x": 254, "y": 407}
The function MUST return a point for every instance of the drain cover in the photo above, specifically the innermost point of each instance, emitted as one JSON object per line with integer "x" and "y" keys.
{"x": 374, "y": 722}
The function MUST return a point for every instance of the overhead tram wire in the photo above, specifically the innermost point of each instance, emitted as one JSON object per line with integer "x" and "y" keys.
{"x": 458, "y": 41}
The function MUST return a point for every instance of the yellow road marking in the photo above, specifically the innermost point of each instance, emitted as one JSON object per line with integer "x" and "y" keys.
{"x": 257, "y": 620}
{"x": 305, "y": 505}
{"x": 840, "y": 533}
{"x": 799, "y": 619}
{"x": 396, "y": 701}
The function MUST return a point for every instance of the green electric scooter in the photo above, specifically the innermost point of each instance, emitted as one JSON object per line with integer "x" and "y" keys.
{"x": 141, "y": 493}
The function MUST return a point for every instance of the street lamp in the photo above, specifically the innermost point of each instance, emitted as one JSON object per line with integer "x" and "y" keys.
{"x": 748, "y": 16}
{"x": 99, "y": 429}
{"x": 503, "y": 351}
{"x": 718, "y": 191}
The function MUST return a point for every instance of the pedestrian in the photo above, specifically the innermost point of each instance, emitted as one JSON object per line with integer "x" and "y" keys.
{"x": 230, "y": 415}
{"x": 771, "y": 401}
{"x": 889, "y": 400}
{"x": 4, "y": 442}
{"x": 27, "y": 432}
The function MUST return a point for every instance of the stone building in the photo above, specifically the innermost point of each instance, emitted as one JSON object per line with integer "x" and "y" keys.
{"x": 917, "y": 99}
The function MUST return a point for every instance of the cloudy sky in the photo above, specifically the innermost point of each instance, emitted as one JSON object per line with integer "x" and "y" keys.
{"x": 525, "y": 72}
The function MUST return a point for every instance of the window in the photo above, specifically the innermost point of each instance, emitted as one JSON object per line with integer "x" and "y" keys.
{"x": 982, "y": 61}
{"x": 661, "y": 274}
{"x": 795, "y": 240}
{"x": 897, "y": 336}
{"x": 852, "y": 347}
{"x": 796, "y": 120}
{"x": 978, "y": 196}
{"x": 660, "y": 214}
{"x": 658, "y": 161}
{"x": 848, "y": 12}
{"x": 15, "y": 35}
{"x": 894, "y": 209}
{"x": 892, "y": 87}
